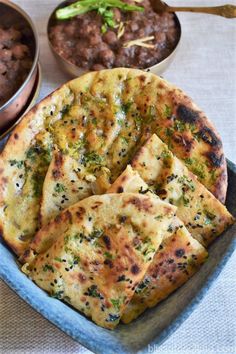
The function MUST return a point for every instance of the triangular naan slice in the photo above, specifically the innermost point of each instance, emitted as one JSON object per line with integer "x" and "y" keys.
{"x": 68, "y": 182}
{"x": 101, "y": 252}
{"x": 177, "y": 259}
{"x": 62, "y": 186}
{"x": 204, "y": 216}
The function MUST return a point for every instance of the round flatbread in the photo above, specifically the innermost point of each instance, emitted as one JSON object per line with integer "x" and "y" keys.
{"x": 98, "y": 120}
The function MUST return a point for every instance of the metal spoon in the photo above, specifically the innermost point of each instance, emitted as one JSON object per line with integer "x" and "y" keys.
{"x": 228, "y": 11}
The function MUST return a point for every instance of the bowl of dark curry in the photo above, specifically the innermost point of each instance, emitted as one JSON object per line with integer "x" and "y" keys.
{"x": 19, "y": 54}
{"x": 90, "y": 35}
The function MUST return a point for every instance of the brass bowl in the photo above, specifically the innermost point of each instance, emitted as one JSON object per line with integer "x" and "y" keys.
{"x": 76, "y": 71}
{"x": 11, "y": 14}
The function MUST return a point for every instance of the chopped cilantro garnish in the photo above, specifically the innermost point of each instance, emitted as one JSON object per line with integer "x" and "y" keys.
{"x": 65, "y": 109}
{"x": 196, "y": 167}
{"x": 91, "y": 158}
{"x": 125, "y": 140}
{"x": 37, "y": 182}
{"x": 187, "y": 182}
{"x": 167, "y": 111}
{"x": 158, "y": 217}
{"x": 59, "y": 188}
{"x": 125, "y": 107}
{"x": 58, "y": 294}
{"x": 138, "y": 121}
{"x": 17, "y": 163}
{"x": 93, "y": 292}
{"x": 116, "y": 303}
{"x": 47, "y": 267}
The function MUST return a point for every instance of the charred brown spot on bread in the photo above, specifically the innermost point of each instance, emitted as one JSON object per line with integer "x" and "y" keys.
{"x": 187, "y": 114}
{"x": 142, "y": 78}
{"x": 141, "y": 204}
{"x": 68, "y": 215}
{"x": 97, "y": 204}
{"x": 80, "y": 212}
{"x": 124, "y": 178}
{"x": 1, "y": 170}
{"x": 162, "y": 193}
{"x": 56, "y": 174}
{"x": 135, "y": 269}
{"x": 4, "y": 180}
{"x": 185, "y": 141}
{"x": 215, "y": 160}
{"x": 82, "y": 278}
{"x": 58, "y": 219}
{"x": 120, "y": 189}
{"x": 58, "y": 160}
{"x": 16, "y": 136}
{"x": 136, "y": 157}
{"x": 209, "y": 137}
{"x": 26, "y": 253}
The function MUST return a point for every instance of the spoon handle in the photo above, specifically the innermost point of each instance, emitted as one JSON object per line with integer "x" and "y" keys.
{"x": 228, "y": 11}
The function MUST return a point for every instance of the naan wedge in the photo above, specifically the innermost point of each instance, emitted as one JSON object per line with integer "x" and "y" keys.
{"x": 101, "y": 253}
{"x": 203, "y": 215}
{"x": 98, "y": 119}
{"x": 67, "y": 181}
{"x": 62, "y": 187}
{"x": 178, "y": 258}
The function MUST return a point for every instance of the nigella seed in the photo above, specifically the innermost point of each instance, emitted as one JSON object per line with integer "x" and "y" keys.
{"x": 67, "y": 269}
{"x": 121, "y": 278}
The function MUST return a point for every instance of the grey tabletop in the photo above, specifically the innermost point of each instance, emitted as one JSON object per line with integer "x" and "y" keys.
{"x": 205, "y": 67}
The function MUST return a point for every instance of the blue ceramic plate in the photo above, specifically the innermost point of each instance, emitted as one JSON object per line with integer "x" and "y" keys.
{"x": 155, "y": 325}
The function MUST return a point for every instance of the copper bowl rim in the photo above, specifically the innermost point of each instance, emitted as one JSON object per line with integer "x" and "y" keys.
{"x": 76, "y": 67}
{"x": 36, "y": 52}
{"x": 30, "y": 103}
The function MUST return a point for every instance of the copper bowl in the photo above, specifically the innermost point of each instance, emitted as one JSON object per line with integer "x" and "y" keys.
{"x": 76, "y": 71}
{"x": 11, "y": 14}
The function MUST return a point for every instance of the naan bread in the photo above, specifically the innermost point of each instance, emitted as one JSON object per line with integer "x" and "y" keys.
{"x": 99, "y": 250}
{"x": 178, "y": 258}
{"x": 203, "y": 215}
{"x": 67, "y": 181}
{"x": 98, "y": 120}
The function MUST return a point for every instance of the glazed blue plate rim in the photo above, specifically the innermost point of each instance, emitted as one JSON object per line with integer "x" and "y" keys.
{"x": 19, "y": 283}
